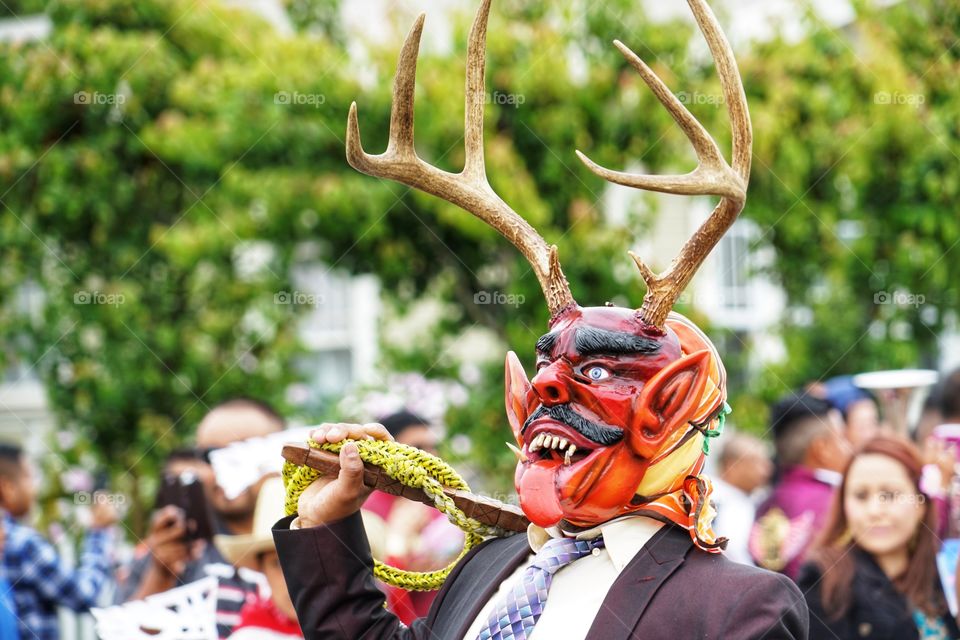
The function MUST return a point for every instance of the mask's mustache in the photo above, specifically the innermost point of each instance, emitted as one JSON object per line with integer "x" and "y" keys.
{"x": 602, "y": 435}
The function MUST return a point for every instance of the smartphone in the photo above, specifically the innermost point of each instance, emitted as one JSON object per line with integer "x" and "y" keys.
{"x": 184, "y": 490}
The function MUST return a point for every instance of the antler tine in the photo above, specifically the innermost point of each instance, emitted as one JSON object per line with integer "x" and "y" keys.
{"x": 475, "y": 100}
{"x": 400, "y": 143}
{"x": 468, "y": 189}
{"x": 713, "y": 176}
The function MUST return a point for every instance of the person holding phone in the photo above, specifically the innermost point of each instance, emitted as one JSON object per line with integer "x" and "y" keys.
{"x": 178, "y": 549}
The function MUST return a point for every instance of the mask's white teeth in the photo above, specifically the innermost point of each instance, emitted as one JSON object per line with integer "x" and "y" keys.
{"x": 551, "y": 442}
{"x": 537, "y": 442}
{"x": 563, "y": 444}
{"x": 567, "y": 458}
{"x": 572, "y": 450}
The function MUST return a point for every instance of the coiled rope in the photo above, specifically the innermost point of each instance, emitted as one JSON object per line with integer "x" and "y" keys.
{"x": 413, "y": 468}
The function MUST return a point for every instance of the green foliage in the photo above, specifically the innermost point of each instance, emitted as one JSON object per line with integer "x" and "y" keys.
{"x": 855, "y": 184}
{"x": 172, "y": 157}
{"x": 155, "y": 185}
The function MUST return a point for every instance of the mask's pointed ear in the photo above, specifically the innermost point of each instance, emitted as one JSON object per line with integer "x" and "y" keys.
{"x": 517, "y": 389}
{"x": 670, "y": 399}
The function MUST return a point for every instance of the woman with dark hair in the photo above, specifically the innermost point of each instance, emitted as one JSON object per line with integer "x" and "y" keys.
{"x": 873, "y": 573}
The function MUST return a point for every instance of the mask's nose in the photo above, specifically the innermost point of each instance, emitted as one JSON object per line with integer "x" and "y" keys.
{"x": 550, "y": 386}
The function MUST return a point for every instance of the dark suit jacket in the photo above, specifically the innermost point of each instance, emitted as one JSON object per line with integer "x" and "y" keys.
{"x": 670, "y": 590}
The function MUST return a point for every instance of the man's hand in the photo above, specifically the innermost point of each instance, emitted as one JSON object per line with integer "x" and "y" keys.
{"x": 167, "y": 542}
{"x": 328, "y": 499}
{"x": 104, "y": 514}
{"x": 943, "y": 456}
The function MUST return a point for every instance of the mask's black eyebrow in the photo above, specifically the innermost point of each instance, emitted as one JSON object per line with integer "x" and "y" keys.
{"x": 590, "y": 341}
{"x": 545, "y": 343}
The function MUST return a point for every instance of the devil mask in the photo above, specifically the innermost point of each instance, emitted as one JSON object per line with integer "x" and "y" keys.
{"x": 615, "y": 418}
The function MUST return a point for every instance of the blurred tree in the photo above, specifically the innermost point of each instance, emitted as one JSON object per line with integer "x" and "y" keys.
{"x": 855, "y": 184}
{"x": 161, "y": 162}
{"x": 167, "y": 162}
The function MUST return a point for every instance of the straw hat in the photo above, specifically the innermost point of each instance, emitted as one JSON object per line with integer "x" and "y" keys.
{"x": 269, "y": 509}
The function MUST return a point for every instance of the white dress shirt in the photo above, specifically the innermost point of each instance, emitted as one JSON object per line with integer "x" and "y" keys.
{"x": 578, "y": 589}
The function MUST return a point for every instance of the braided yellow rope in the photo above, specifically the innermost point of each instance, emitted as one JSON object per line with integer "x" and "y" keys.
{"x": 414, "y": 468}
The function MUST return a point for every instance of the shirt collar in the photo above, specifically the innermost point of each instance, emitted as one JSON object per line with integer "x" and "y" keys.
{"x": 623, "y": 538}
{"x": 829, "y": 477}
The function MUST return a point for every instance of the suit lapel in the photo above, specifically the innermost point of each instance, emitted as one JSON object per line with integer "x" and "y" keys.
{"x": 636, "y": 585}
{"x": 477, "y": 583}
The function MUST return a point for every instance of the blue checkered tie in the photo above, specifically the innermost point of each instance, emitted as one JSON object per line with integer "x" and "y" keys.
{"x": 518, "y": 611}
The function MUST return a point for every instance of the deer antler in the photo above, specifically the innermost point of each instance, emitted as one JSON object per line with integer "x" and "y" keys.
{"x": 713, "y": 176}
{"x": 468, "y": 189}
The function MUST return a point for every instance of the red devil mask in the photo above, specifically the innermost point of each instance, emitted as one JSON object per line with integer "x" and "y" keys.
{"x": 608, "y": 395}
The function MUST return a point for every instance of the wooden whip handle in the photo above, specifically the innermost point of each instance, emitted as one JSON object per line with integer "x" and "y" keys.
{"x": 481, "y": 508}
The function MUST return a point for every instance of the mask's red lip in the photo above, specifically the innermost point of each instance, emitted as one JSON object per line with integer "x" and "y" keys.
{"x": 548, "y": 425}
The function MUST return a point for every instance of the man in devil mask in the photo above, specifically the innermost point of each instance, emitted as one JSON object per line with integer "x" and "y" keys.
{"x": 611, "y": 435}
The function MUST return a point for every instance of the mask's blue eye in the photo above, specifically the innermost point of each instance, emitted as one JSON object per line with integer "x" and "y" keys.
{"x": 596, "y": 373}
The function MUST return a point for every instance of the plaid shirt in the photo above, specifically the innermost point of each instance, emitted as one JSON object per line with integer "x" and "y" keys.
{"x": 41, "y": 582}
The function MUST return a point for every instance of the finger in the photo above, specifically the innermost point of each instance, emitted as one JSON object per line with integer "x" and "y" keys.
{"x": 167, "y": 517}
{"x": 171, "y": 534}
{"x": 369, "y": 431}
{"x": 337, "y": 432}
{"x": 377, "y": 430}
{"x": 350, "y": 477}
{"x": 320, "y": 433}
{"x": 365, "y": 431}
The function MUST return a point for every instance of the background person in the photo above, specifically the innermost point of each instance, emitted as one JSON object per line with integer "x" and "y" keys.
{"x": 873, "y": 570}
{"x": 811, "y": 452}
{"x": 40, "y": 581}
{"x": 743, "y": 468}
{"x": 263, "y": 617}
{"x": 8, "y": 616}
{"x": 859, "y": 409}
{"x": 171, "y": 561}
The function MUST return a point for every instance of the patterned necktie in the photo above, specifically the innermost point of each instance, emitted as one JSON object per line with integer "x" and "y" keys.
{"x": 518, "y": 611}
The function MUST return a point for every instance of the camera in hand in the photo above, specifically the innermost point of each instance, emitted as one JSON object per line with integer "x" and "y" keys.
{"x": 184, "y": 490}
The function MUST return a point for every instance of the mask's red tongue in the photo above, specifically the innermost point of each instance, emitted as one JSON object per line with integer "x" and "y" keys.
{"x": 537, "y": 487}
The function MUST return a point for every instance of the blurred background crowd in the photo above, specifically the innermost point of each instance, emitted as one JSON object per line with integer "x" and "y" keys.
{"x": 180, "y": 233}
